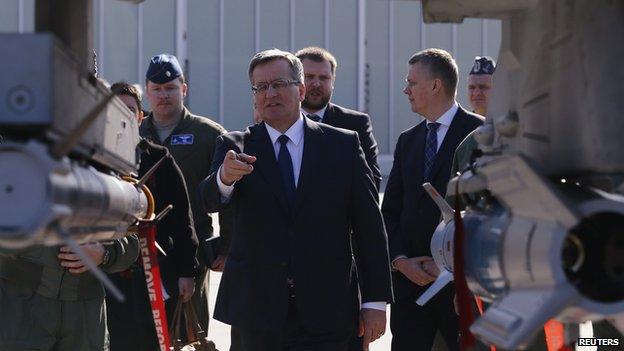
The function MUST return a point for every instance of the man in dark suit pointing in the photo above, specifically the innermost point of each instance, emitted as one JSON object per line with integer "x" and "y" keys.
{"x": 423, "y": 154}
{"x": 297, "y": 187}
{"x": 319, "y": 67}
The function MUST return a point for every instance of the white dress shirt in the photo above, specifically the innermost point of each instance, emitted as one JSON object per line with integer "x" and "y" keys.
{"x": 295, "y": 147}
{"x": 294, "y": 144}
{"x": 445, "y": 122}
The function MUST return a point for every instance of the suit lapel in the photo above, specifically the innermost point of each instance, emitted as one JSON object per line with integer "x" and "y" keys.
{"x": 310, "y": 161}
{"x": 259, "y": 145}
{"x": 330, "y": 115}
{"x": 453, "y": 137}
{"x": 416, "y": 163}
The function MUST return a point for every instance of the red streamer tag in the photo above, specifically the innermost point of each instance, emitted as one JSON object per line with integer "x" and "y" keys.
{"x": 480, "y": 308}
{"x": 555, "y": 336}
{"x": 147, "y": 242}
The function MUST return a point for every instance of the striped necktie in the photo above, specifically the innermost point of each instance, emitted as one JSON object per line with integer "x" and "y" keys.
{"x": 431, "y": 147}
{"x": 284, "y": 162}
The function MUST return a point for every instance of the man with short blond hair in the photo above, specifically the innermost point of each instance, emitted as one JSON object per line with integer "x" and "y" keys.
{"x": 423, "y": 154}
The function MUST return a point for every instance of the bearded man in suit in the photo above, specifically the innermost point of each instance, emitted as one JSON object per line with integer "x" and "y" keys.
{"x": 319, "y": 67}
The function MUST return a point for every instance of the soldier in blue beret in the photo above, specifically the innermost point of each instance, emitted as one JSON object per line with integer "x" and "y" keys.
{"x": 480, "y": 83}
{"x": 191, "y": 141}
{"x": 479, "y": 92}
{"x": 483, "y": 65}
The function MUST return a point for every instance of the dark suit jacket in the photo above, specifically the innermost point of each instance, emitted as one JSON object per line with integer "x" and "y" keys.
{"x": 308, "y": 242}
{"x": 194, "y": 159}
{"x": 175, "y": 232}
{"x": 359, "y": 122}
{"x": 409, "y": 213}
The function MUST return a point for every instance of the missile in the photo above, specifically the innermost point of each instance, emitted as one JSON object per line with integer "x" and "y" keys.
{"x": 536, "y": 251}
{"x": 38, "y": 193}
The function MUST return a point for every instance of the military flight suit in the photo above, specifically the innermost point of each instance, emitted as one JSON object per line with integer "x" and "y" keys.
{"x": 192, "y": 144}
{"x": 44, "y": 307}
{"x": 461, "y": 159}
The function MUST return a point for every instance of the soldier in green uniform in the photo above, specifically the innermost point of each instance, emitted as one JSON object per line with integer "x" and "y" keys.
{"x": 480, "y": 83}
{"x": 48, "y": 300}
{"x": 479, "y": 91}
{"x": 191, "y": 141}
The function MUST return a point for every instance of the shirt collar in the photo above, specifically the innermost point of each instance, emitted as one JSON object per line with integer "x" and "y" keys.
{"x": 447, "y": 117}
{"x": 294, "y": 133}
{"x": 320, "y": 113}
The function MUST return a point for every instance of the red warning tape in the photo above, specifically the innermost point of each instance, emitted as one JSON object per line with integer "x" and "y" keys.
{"x": 149, "y": 258}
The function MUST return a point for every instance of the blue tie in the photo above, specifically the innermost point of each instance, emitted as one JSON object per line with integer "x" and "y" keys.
{"x": 315, "y": 118}
{"x": 431, "y": 148}
{"x": 286, "y": 168}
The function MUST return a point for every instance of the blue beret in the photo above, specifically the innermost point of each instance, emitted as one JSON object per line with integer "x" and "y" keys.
{"x": 163, "y": 68}
{"x": 483, "y": 65}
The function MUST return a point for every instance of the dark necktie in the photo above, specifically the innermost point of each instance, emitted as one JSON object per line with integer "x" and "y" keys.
{"x": 431, "y": 147}
{"x": 315, "y": 118}
{"x": 286, "y": 168}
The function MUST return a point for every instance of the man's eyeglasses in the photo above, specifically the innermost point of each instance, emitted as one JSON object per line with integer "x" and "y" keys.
{"x": 277, "y": 85}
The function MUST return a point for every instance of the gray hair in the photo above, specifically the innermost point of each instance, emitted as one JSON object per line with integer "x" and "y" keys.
{"x": 266, "y": 56}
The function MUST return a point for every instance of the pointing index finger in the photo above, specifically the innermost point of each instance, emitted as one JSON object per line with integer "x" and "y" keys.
{"x": 245, "y": 158}
{"x": 231, "y": 155}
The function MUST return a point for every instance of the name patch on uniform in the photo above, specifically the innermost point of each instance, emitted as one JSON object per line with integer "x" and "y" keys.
{"x": 182, "y": 139}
